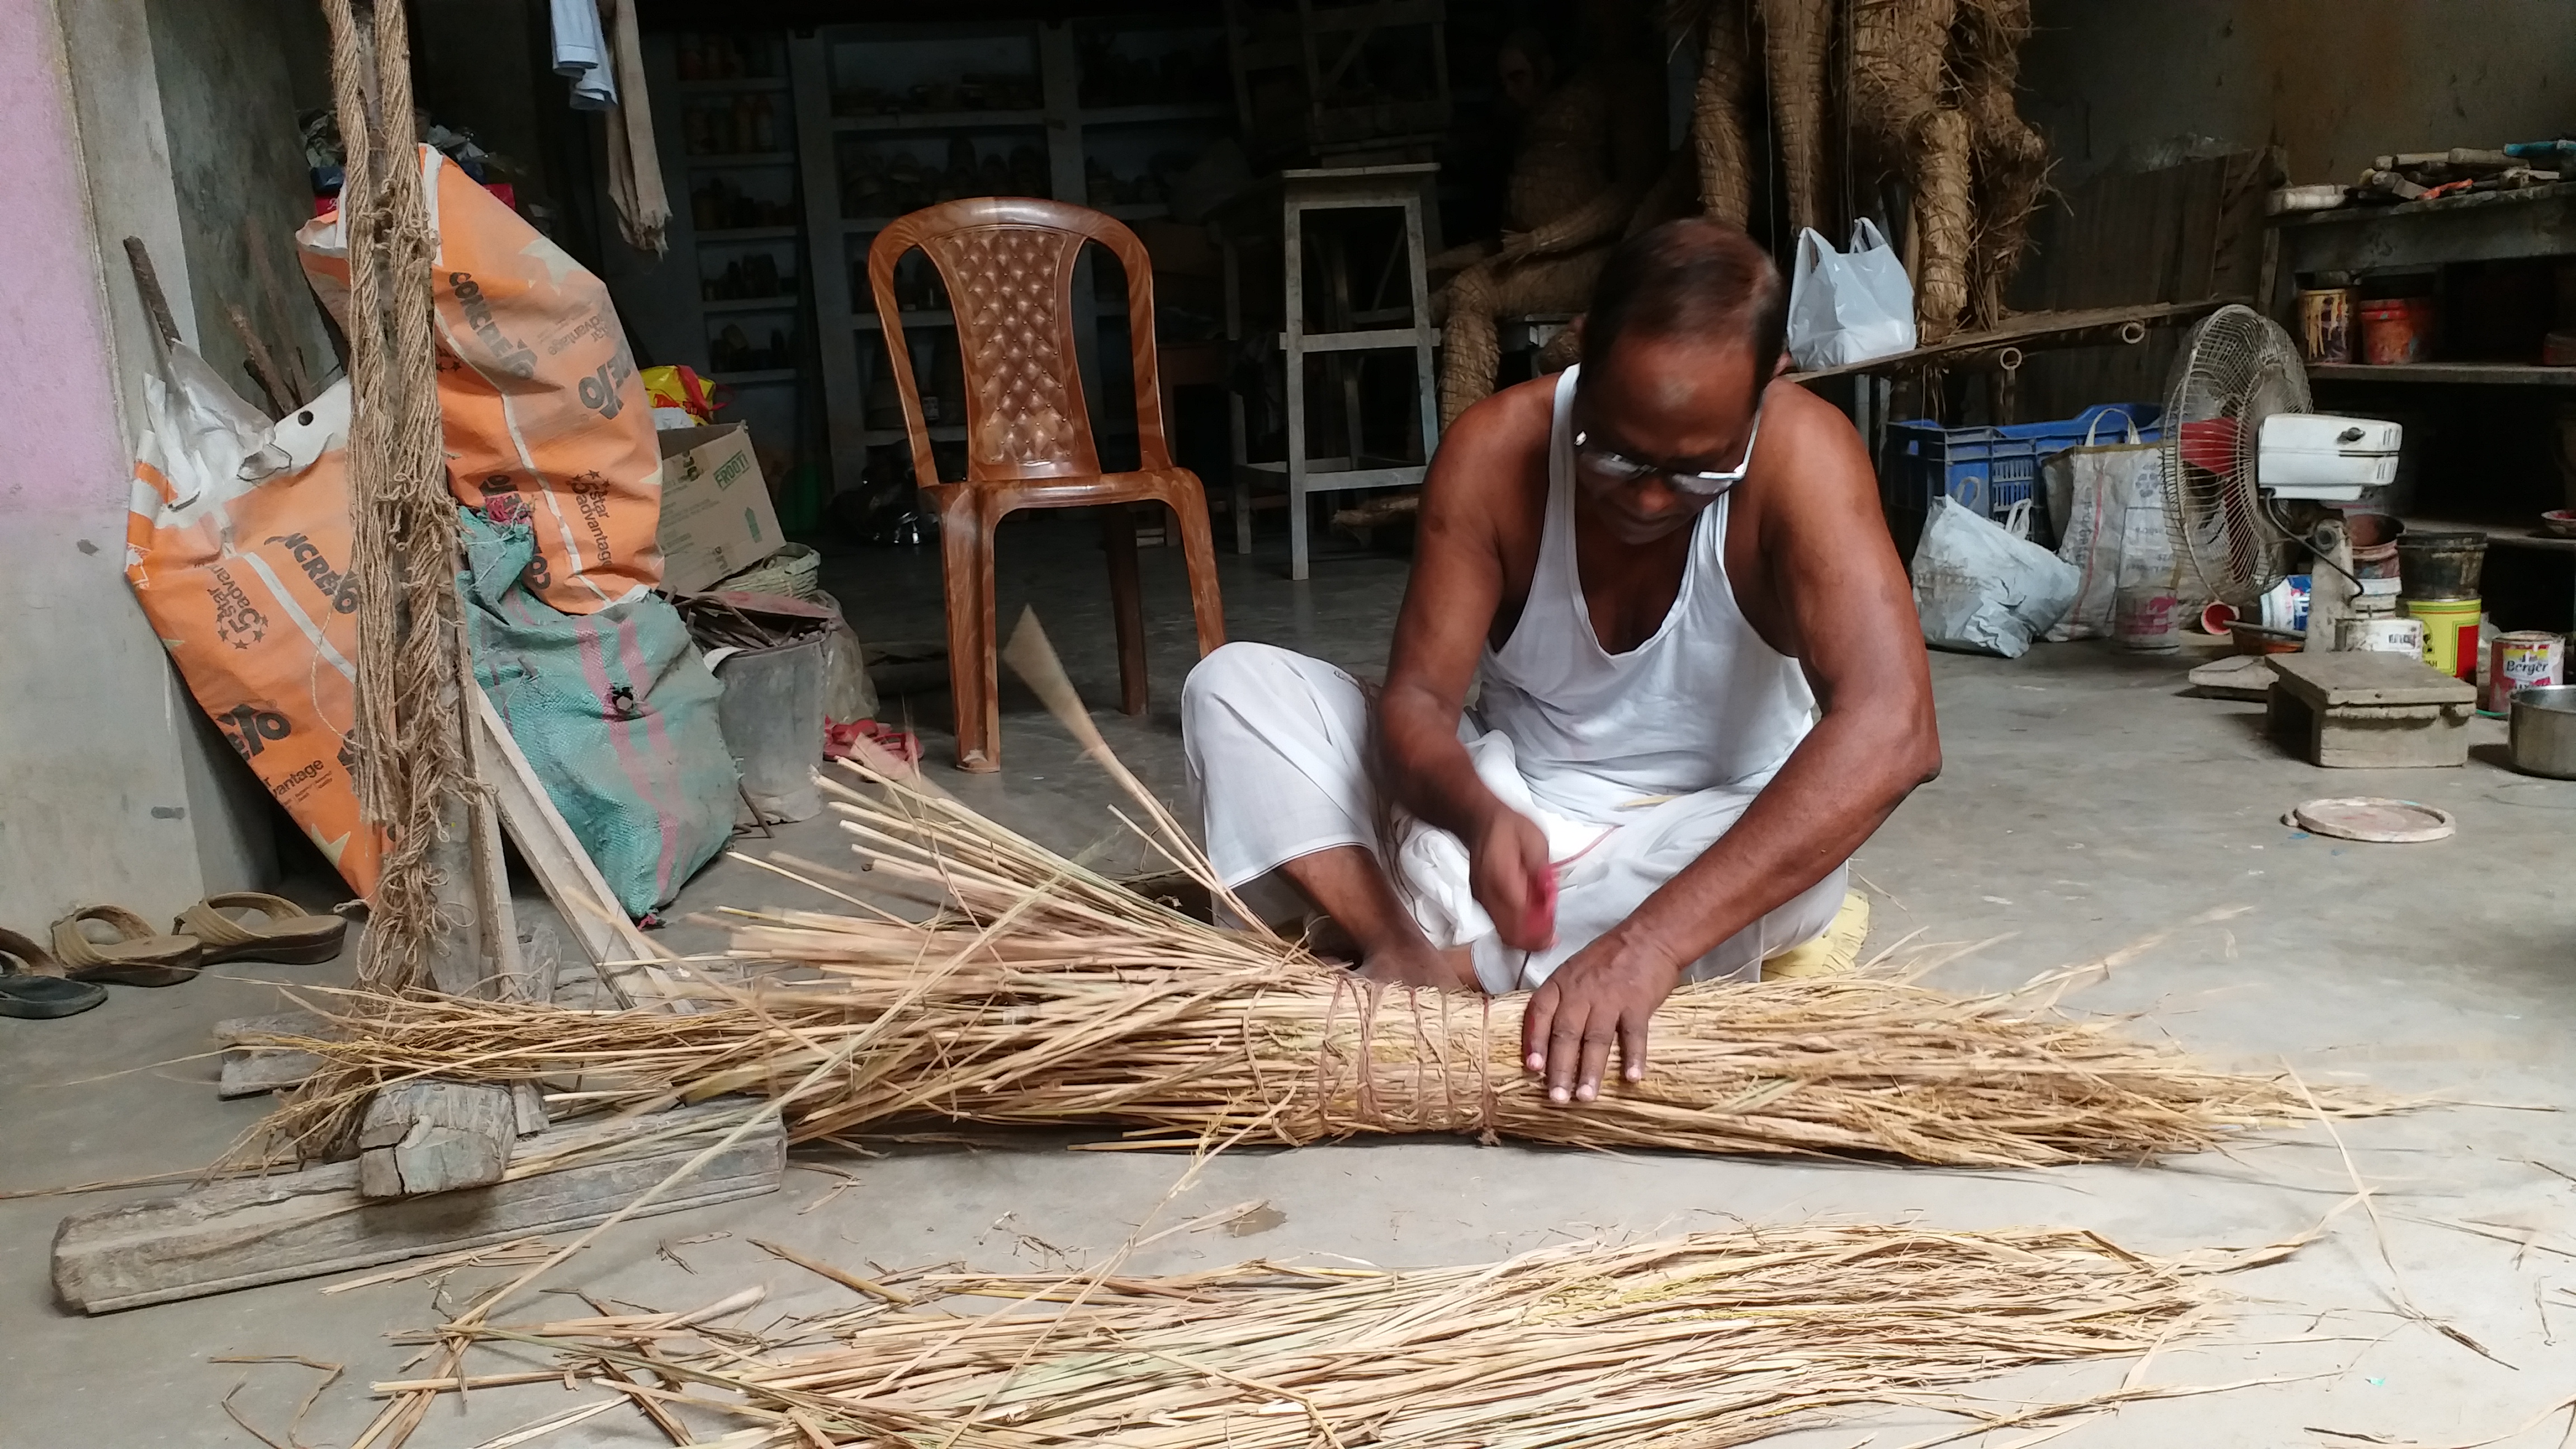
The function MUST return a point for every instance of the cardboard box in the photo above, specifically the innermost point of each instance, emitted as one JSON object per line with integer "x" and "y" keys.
{"x": 716, "y": 514}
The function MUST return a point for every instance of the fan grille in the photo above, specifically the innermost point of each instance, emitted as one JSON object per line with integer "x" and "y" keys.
{"x": 2235, "y": 369}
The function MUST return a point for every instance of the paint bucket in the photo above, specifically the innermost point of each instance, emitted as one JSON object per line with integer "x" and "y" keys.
{"x": 2398, "y": 330}
{"x": 2325, "y": 323}
{"x": 2146, "y": 618}
{"x": 771, "y": 713}
{"x": 2380, "y": 634}
{"x": 2374, "y": 549}
{"x": 2285, "y": 606}
{"x": 2450, "y": 634}
{"x": 2441, "y": 565}
{"x": 2523, "y": 659}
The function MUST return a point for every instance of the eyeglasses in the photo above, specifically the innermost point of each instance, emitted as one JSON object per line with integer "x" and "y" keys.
{"x": 1621, "y": 469}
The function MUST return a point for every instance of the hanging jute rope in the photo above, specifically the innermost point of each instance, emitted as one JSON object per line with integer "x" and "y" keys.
{"x": 410, "y": 770}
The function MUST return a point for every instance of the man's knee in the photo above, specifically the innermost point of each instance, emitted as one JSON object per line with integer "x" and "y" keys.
{"x": 1231, "y": 676}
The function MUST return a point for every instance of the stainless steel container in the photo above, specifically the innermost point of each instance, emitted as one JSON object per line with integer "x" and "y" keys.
{"x": 2543, "y": 730}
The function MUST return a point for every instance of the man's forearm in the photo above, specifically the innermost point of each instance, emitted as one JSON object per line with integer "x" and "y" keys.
{"x": 1425, "y": 767}
{"x": 1841, "y": 783}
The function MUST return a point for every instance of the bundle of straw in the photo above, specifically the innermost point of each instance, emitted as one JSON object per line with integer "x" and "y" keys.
{"x": 1945, "y": 220}
{"x": 1716, "y": 1338}
{"x": 2011, "y": 155}
{"x": 1797, "y": 36}
{"x": 1045, "y": 993}
{"x": 1718, "y": 144}
{"x": 1896, "y": 65}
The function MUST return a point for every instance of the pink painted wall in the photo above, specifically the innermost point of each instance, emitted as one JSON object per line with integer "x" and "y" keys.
{"x": 51, "y": 313}
{"x": 98, "y": 746}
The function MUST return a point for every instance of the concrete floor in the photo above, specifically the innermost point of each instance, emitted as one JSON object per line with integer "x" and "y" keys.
{"x": 2085, "y": 803}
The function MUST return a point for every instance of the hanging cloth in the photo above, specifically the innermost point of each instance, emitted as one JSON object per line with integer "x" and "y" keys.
{"x": 581, "y": 55}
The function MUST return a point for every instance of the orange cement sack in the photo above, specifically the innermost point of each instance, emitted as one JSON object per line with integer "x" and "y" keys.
{"x": 237, "y": 544}
{"x": 545, "y": 417}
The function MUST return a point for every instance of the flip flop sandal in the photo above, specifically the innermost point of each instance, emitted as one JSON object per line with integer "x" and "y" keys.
{"x": 136, "y": 957}
{"x": 292, "y": 934}
{"x": 32, "y": 984}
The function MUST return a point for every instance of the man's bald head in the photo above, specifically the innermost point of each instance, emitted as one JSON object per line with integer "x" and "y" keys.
{"x": 1693, "y": 278}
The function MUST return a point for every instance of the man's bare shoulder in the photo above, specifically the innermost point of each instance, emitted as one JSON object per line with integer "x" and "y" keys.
{"x": 1809, "y": 461}
{"x": 1497, "y": 449}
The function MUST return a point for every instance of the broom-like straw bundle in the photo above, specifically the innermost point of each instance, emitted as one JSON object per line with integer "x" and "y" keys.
{"x": 1716, "y": 1338}
{"x": 2011, "y": 155}
{"x": 1046, "y": 993}
{"x": 1718, "y": 145}
{"x": 1797, "y": 38}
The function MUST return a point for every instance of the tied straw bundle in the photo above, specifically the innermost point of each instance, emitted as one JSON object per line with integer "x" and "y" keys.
{"x": 1045, "y": 993}
{"x": 1711, "y": 1339}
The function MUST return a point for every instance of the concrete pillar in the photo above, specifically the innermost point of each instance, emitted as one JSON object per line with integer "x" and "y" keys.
{"x": 111, "y": 784}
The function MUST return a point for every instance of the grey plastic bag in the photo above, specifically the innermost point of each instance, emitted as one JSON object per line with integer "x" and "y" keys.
{"x": 1980, "y": 589}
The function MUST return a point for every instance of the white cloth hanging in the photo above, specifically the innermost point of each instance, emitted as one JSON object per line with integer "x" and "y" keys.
{"x": 582, "y": 55}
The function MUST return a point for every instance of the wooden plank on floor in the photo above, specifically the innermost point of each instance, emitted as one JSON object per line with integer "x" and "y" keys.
{"x": 555, "y": 855}
{"x": 250, "y": 1071}
{"x": 249, "y": 1231}
{"x": 431, "y": 1136}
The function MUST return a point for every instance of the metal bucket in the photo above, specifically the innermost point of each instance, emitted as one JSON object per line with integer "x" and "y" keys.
{"x": 772, "y": 717}
{"x": 2441, "y": 565}
{"x": 2543, "y": 731}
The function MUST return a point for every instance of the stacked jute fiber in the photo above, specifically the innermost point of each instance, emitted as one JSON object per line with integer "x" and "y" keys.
{"x": 1714, "y": 1338}
{"x": 1044, "y": 993}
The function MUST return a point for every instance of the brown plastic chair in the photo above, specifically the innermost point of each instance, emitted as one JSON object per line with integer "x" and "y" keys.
{"x": 1008, "y": 265}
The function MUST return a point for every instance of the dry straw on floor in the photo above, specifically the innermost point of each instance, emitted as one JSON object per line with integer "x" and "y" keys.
{"x": 1043, "y": 993}
{"x": 1711, "y": 1339}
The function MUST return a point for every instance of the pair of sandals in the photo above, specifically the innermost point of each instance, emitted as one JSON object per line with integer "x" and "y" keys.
{"x": 37, "y": 983}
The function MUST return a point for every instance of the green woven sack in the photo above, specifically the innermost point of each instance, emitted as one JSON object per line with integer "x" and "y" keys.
{"x": 615, "y": 712}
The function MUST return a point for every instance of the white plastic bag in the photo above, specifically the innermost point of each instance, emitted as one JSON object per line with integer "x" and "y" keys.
{"x": 2109, "y": 502}
{"x": 1848, "y": 307}
{"x": 1980, "y": 589}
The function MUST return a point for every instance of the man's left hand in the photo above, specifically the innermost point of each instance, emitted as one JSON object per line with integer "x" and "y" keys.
{"x": 1603, "y": 994}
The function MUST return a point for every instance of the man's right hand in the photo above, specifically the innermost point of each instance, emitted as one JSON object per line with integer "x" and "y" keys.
{"x": 1512, "y": 878}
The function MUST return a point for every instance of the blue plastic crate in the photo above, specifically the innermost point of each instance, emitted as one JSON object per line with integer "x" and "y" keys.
{"x": 1992, "y": 469}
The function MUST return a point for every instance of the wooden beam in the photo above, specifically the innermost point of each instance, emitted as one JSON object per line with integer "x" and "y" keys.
{"x": 425, "y": 1137}
{"x": 250, "y": 1071}
{"x": 2031, "y": 331}
{"x": 561, "y": 865}
{"x": 248, "y": 1231}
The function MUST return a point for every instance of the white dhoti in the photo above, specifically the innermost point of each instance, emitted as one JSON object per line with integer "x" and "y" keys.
{"x": 1278, "y": 756}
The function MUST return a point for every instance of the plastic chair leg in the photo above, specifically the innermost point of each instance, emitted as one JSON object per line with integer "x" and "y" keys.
{"x": 966, "y": 569}
{"x": 1126, "y": 605}
{"x": 1198, "y": 551}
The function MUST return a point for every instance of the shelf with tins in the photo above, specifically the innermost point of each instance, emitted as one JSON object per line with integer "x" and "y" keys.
{"x": 888, "y": 437}
{"x": 944, "y": 121}
{"x": 1157, "y": 114}
{"x": 729, "y": 296}
{"x": 733, "y": 84}
{"x": 2490, "y": 374}
{"x": 868, "y": 322}
{"x": 742, "y": 159}
{"x": 780, "y": 302}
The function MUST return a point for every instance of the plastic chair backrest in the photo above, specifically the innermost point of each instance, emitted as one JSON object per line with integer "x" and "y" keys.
{"x": 1008, "y": 265}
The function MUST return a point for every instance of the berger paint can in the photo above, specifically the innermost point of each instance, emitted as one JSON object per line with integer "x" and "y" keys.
{"x": 2524, "y": 659}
